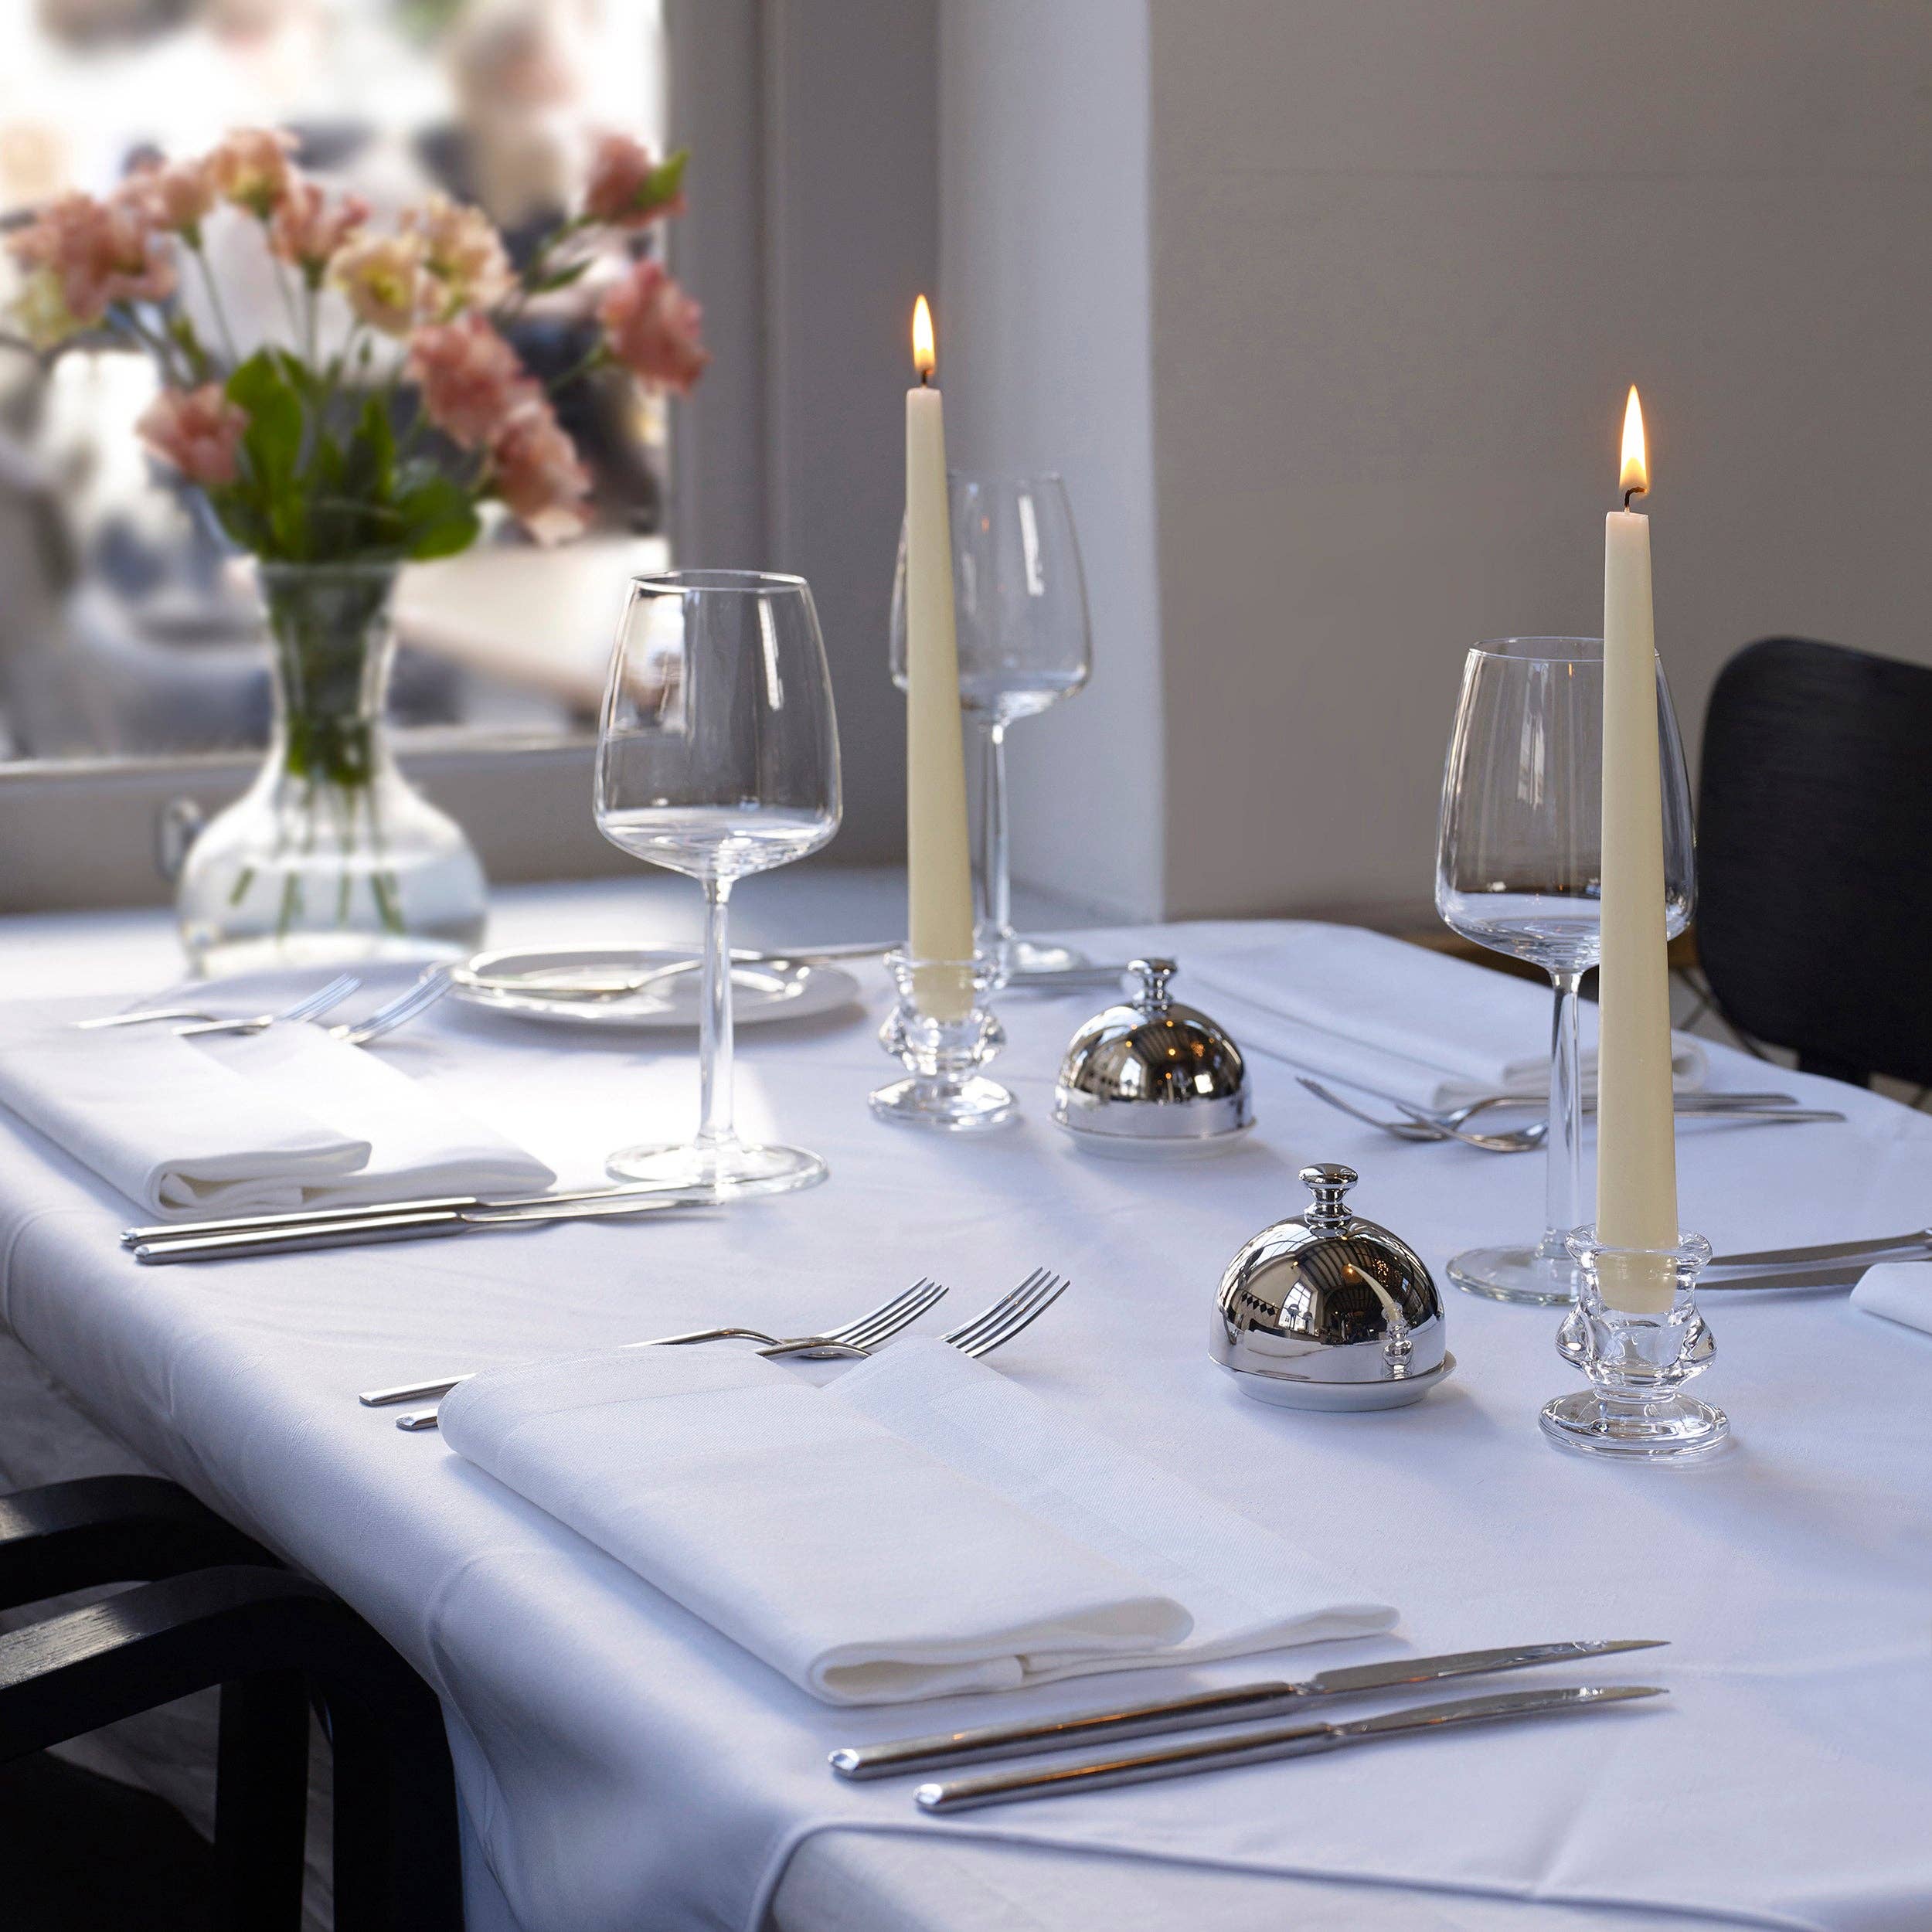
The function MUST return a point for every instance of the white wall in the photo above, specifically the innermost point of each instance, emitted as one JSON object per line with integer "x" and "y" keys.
{"x": 1406, "y": 258}
{"x": 1045, "y": 358}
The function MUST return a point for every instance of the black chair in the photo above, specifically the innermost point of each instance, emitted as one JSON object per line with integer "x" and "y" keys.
{"x": 1814, "y": 826}
{"x": 271, "y": 1640}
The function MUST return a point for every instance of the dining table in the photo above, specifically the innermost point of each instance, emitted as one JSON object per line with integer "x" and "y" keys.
{"x": 622, "y": 1766}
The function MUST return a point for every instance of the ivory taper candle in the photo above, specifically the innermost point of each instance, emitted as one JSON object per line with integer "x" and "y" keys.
{"x": 1636, "y": 1126}
{"x": 938, "y": 850}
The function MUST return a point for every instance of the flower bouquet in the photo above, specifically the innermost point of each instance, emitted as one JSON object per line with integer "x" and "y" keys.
{"x": 394, "y": 406}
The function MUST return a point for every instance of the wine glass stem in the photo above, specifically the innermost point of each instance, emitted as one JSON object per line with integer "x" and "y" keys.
{"x": 714, "y": 1037}
{"x": 1563, "y": 1199}
{"x": 996, "y": 928}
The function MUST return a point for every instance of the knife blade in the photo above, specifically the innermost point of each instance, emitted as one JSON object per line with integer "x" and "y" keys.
{"x": 1877, "y": 1248}
{"x": 407, "y": 1227}
{"x": 363, "y": 1210}
{"x": 1261, "y": 1745}
{"x": 1236, "y": 1705}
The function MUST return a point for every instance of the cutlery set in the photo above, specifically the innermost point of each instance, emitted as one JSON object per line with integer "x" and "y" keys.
{"x": 422, "y": 994}
{"x": 1234, "y": 1713}
{"x": 992, "y": 1328}
{"x": 1424, "y": 1125}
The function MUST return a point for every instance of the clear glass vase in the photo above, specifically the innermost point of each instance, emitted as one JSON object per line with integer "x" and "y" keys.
{"x": 331, "y": 854}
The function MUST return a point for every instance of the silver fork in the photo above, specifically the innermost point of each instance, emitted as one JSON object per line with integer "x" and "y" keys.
{"x": 424, "y": 991}
{"x": 399, "y": 1011}
{"x": 854, "y": 1337}
{"x": 992, "y": 1328}
{"x": 338, "y": 990}
{"x": 995, "y": 1327}
{"x": 1423, "y": 1125}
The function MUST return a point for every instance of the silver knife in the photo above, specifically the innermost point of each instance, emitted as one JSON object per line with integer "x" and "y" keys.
{"x": 1258, "y": 1746}
{"x": 420, "y": 1225}
{"x": 1878, "y": 1248}
{"x": 1238, "y": 1704}
{"x": 363, "y": 1210}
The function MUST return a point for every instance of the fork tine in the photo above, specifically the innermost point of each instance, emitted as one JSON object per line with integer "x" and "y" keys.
{"x": 1015, "y": 1315}
{"x": 338, "y": 990}
{"x": 1021, "y": 1318}
{"x": 424, "y": 992}
{"x": 969, "y": 1332}
{"x": 1419, "y": 1126}
{"x": 887, "y": 1322}
{"x": 849, "y": 1330}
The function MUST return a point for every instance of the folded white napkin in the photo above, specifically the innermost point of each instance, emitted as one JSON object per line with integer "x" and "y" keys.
{"x": 1384, "y": 1016}
{"x": 919, "y": 1528}
{"x": 227, "y": 1124}
{"x": 1899, "y": 1291}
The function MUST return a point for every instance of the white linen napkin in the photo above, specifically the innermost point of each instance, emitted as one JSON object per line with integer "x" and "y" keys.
{"x": 1368, "y": 1010}
{"x": 227, "y": 1124}
{"x": 1899, "y": 1291}
{"x": 925, "y": 1529}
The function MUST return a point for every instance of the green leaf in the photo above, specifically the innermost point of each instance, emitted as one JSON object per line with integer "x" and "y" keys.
{"x": 273, "y": 447}
{"x": 439, "y": 519}
{"x": 559, "y": 277}
{"x": 664, "y": 181}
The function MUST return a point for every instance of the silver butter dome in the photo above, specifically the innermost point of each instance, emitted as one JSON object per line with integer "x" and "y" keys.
{"x": 1149, "y": 1076}
{"x": 1327, "y": 1310}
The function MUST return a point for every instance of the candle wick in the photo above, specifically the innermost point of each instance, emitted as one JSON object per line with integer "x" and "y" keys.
{"x": 926, "y": 379}
{"x": 1628, "y": 494}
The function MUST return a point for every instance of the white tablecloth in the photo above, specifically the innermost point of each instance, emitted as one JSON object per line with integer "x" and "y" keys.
{"x": 623, "y": 1766}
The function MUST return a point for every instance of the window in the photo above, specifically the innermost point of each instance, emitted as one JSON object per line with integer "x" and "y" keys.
{"x": 131, "y": 651}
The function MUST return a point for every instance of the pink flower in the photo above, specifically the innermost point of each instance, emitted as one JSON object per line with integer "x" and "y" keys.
{"x": 382, "y": 276}
{"x": 627, "y": 186}
{"x": 251, "y": 167}
{"x": 651, "y": 326}
{"x": 537, "y": 471}
{"x": 463, "y": 252}
{"x": 307, "y": 229}
{"x": 97, "y": 252}
{"x": 175, "y": 196}
{"x": 470, "y": 377}
{"x": 197, "y": 431}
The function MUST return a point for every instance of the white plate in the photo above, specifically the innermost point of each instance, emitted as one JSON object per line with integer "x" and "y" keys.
{"x": 759, "y": 993}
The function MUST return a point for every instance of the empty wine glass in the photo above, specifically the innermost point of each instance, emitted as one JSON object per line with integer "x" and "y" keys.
{"x": 1019, "y": 601}
{"x": 1519, "y": 869}
{"x": 717, "y": 757}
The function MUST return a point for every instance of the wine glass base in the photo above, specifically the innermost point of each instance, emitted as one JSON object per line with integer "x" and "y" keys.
{"x": 730, "y": 1169}
{"x": 970, "y": 1107}
{"x": 1639, "y": 1429}
{"x": 1534, "y": 1277}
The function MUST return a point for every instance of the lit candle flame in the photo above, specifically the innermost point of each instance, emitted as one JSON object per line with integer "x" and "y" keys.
{"x": 924, "y": 359}
{"x": 1635, "y": 475}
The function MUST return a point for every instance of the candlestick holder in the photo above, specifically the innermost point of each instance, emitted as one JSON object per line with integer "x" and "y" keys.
{"x": 944, "y": 1032}
{"x": 1637, "y": 1361}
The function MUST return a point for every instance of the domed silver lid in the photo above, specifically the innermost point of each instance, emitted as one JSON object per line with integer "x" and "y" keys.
{"x": 1150, "y": 1069}
{"x": 1326, "y": 1296}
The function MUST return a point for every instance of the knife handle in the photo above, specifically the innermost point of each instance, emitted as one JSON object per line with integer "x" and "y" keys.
{"x": 1177, "y": 1760}
{"x": 291, "y": 1218}
{"x": 984, "y": 1742}
{"x": 332, "y": 1234}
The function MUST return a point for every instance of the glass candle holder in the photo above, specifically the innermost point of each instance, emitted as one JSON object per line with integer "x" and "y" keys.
{"x": 1637, "y": 1359}
{"x": 942, "y": 1031}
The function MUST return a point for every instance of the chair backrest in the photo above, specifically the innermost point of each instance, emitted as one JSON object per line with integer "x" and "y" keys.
{"x": 1814, "y": 856}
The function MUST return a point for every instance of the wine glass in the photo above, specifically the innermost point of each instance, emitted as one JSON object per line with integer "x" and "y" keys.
{"x": 1019, "y": 602}
{"x": 1519, "y": 869}
{"x": 717, "y": 757}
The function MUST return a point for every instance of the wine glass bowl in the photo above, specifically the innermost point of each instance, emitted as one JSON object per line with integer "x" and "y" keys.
{"x": 718, "y": 758}
{"x": 1519, "y": 871}
{"x": 1020, "y": 617}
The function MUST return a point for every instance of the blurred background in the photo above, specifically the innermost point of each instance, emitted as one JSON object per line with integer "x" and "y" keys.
{"x": 125, "y": 635}
{"x": 1325, "y": 310}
